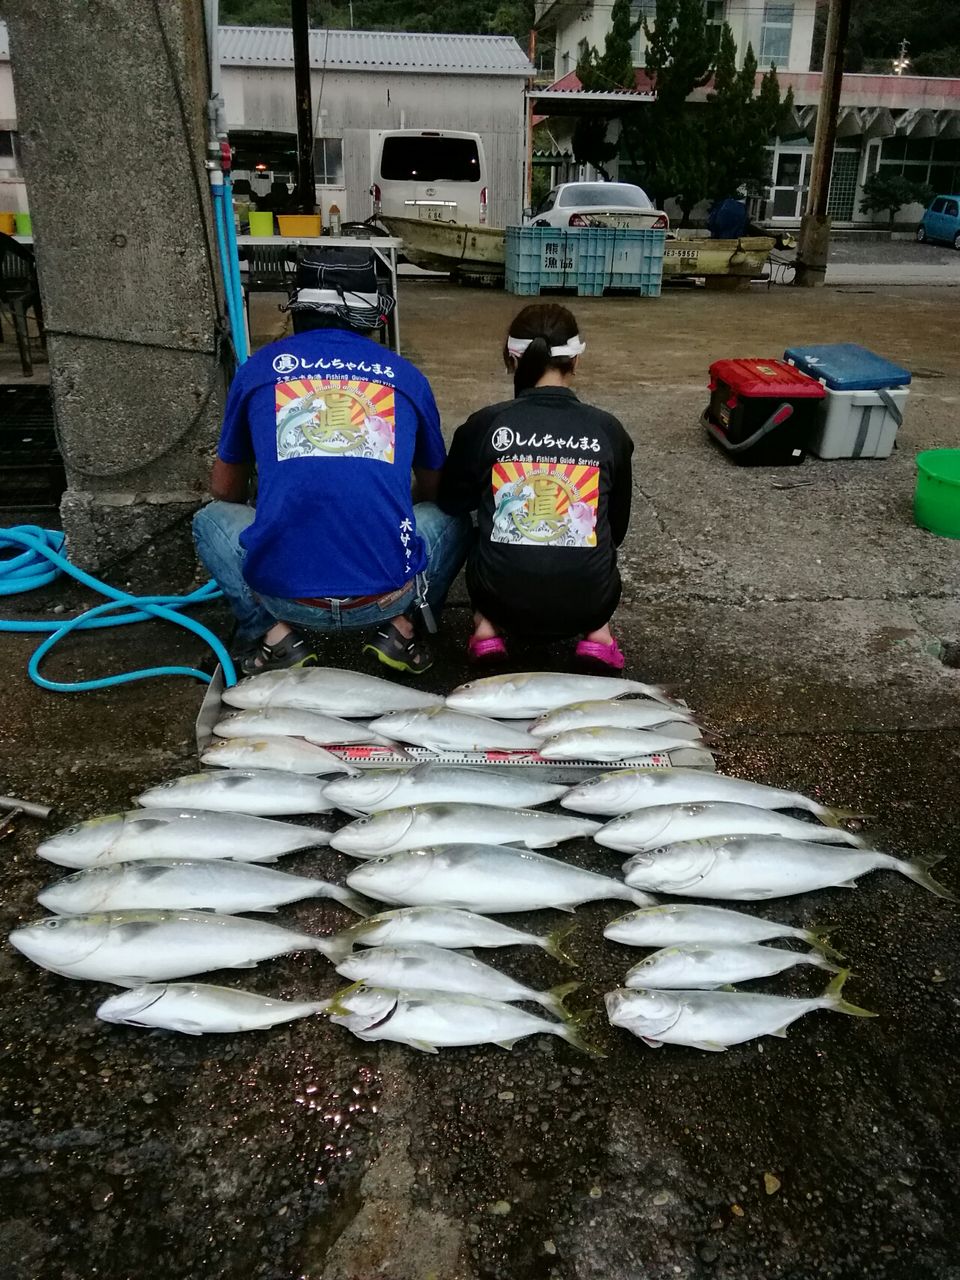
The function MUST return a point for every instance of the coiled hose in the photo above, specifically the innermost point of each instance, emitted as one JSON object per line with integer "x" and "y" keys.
{"x": 39, "y": 561}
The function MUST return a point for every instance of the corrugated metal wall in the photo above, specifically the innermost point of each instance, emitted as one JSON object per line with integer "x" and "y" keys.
{"x": 493, "y": 106}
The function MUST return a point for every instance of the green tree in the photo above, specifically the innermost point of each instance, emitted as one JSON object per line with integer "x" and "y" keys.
{"x": 888, "y": 192}
{"x": 610, "y": 70}
{"x": 739, "y": 121}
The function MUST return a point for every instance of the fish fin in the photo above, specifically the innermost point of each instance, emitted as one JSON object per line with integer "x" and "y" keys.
{"x": 781, "y": 1032}
{"x": 554, "y": 998}
{"x": 919, "y": 872}
{"x": 837, "y": 1004}
{"x": 845, "y": 884}
{"x": 817, "y": 939}
{"x": 554, "y": 942}
{"x": 709, "y": 1046}
{"x": 571, "y": 1031}
{"x": 132, "y": 929}
{"x": 814, "y": 957}
{"x": 507, "y": 1044}
{"x": 148, "y": 824}
{"x": 837, "y": 817}
{"x": 727, "y": 986}
{"x": 569, "y": 910}
{"x": 652, "y": 1044}
{"x": 155, "y": 872}
{"x": 242, "y": 964}
{"x": 189, "y": 1028}
{"x": 432, "y": 1048}
{"x": 123, "y": 982}
{"x": 641, "y": 899}
{"x": 337, "y": 947}
{"x": 352, "y": 901}
{"x": 684, "y": 729}
{"x": 336, "y": 1005}
{"x": 264, "y": 911}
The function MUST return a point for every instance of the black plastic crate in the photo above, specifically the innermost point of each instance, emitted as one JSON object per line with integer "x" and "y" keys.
{"x": 31, "y": 467}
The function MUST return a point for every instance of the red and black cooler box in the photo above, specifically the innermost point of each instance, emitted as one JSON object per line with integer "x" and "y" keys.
{"x": 762, "y": 412}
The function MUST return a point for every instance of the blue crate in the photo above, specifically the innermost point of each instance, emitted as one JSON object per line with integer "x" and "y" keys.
{"x": 589, "y": 259}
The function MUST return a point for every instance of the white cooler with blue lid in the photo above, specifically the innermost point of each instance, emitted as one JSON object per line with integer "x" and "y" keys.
{"x": 864, "y": 404}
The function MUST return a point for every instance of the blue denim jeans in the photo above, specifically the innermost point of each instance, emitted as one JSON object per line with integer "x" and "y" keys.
{"x": 216, "y": 531}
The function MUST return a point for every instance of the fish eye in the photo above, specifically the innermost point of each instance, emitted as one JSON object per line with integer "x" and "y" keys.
{"x": 71, "y": 831}
{"x": 53, "y": 923}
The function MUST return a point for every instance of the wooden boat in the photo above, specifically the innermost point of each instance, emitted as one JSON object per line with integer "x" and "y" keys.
{"x": 745, "y": 257}
{"x": 449, "y": 246}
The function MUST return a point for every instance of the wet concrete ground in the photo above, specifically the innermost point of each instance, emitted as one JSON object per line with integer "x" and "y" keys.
{"x": 808, "y": 626}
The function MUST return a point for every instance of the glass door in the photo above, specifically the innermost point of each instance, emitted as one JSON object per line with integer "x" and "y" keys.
{"x": 791, "y": 178}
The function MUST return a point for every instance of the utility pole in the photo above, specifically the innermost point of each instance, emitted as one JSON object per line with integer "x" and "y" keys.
{"x": 814, "y": 247}
{"x": 306, "y": 188}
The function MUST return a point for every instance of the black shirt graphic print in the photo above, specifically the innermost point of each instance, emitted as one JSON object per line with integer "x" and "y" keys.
{"x": 549, "y": 478}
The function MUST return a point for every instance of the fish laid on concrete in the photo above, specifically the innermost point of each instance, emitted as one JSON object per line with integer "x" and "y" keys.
{"x": 428, "y": 824}
{"x": 292, "y": 722}
{"x": 688, "y": 923}
{"x": 186, "y": 884}
{"x": 605, "y": 745}
{"x": 704, "y": 967}
{"x": 440, "y": 729}
{"x": 376, "y": 790}
{"x": 129, "y": 948}
{"x": 668, "y": 823}
{"x": 489, "y": 879}
{"x": 430, "y": 1021}
{"x": 175, "y": 833}
{"x": 291, "y": 755}
{"x": 754, "y": 868}
{"x": 613, "y": 713}
{"x": 713, "y": 1020}
{"x": 262, "y": 792}
{"x": 623, "y": 790}
{"x": 330, "y": 690}
{"x": 197, "y": 1008}
{"x": 425, "y": 968}
{"x": 533, "y": 693}
{"x": 443, "y": 927}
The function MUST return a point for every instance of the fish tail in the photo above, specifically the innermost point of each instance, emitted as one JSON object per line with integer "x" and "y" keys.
{"x": 837, "y": 817}
{"x": 572, "y": 1032}
{"x": 336, "y": 1005}
{"x": 919, "y": 871}
{"x": 836, "y": 1002}
{"x": 553, "y": 944}
{"x": 819, "y": 940}
{"x": 337, "y": 947}
{"x": 555, "y": 997}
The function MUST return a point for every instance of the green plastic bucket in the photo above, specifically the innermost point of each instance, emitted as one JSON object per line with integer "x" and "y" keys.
{"x": 261, "y": 224}
{"x": 936, "y": 503}
{"x": 24, "y": 224}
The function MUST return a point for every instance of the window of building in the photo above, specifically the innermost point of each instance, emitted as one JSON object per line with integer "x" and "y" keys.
{"x": 9, "y": 151}
{"x": 328, "y": 162}
{"x": 775, "y": 35}
{"x": 641, "y": 10}
{"x": 933, "y": 160}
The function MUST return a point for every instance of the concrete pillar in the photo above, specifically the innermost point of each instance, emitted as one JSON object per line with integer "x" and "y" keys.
{"x": 111, "y": 104}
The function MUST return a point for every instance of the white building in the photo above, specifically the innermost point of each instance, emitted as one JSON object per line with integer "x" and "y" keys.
{"x": 360, "y": 80}
{"x": 908, "y": 124}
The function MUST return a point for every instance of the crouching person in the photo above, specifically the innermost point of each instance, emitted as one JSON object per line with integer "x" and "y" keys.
{"x": 550, "y": 480}
{"x": 332, "y": 424}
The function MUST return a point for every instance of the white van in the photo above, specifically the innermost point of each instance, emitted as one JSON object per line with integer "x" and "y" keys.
{"x": 438, "y": 174}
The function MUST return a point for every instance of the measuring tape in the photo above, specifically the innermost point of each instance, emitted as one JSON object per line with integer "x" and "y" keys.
{"x": 365, "y": 756}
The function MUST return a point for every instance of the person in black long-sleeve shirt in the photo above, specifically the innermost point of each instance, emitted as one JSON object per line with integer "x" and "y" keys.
{"x": 550, "y": 480}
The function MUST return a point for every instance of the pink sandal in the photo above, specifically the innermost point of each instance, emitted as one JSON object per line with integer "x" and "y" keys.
{"x": 492, "y": 649}
{"x": 607, "y": 655}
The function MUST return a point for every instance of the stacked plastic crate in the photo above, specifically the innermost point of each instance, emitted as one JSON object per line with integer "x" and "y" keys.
{"x": 588, "y": 259}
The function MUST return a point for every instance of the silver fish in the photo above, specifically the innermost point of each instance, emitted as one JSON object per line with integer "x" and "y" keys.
{"x": 264, "y": 792}
{"x": 185, "y": 884}
{"x": 129, "y": 948}
{"x": 443, "y": 927}
{"x": 626, "y": 789}
{"x": 713, "y": 1020}
{"x": 688, "y": 923}
{"x": 609, "y": 744}
{"x": 426, "y": 968}
{"x": 488, "y": 879}
{"x": 172, "y": 833}
{"x": 291, "y": 755}
{"x": 429, "y": 1021}
{"x": 705, "y": 967}
{"x": 532, "y": 693}
{"x": 615, "y": 713}
{"x": 196, "y": 1008}
{"x": 668, "y": 823}
{"x": 419, "y": 825}
{"x": 754, "y": 868}
{"x": 330, "y": 690}
{"x": 377, "y": 790}
{"x": 292, "y": 722}
{"x": 439, "y": 729}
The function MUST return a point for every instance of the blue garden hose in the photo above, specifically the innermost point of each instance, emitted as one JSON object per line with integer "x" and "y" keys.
{"x": 40, "y": 562}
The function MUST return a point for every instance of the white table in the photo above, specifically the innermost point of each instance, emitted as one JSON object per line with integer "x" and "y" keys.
{"x": 386, "y": 249}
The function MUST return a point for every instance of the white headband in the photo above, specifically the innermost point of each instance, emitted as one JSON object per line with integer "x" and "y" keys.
{"x": 572, "y": 347}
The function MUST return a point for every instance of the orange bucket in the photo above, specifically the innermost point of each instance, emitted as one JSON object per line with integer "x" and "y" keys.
{"x": 8, "y": 223}
{"x": 299, "y": 224}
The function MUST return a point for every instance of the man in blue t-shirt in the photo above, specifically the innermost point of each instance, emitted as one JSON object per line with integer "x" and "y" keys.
{"x": 334, "y": 424}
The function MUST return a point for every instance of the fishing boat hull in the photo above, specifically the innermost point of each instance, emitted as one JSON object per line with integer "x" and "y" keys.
{"x": 449, "y": 246}
{"x": 702, "y": 257}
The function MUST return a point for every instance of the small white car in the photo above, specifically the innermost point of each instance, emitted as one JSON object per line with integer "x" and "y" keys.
{"x": 598, "y": 204}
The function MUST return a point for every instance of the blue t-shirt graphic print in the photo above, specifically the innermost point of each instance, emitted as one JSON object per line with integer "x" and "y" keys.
{"x": 335, "y": 423}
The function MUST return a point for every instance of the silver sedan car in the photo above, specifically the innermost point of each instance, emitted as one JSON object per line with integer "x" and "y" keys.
{"x": 598, "y": 204}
